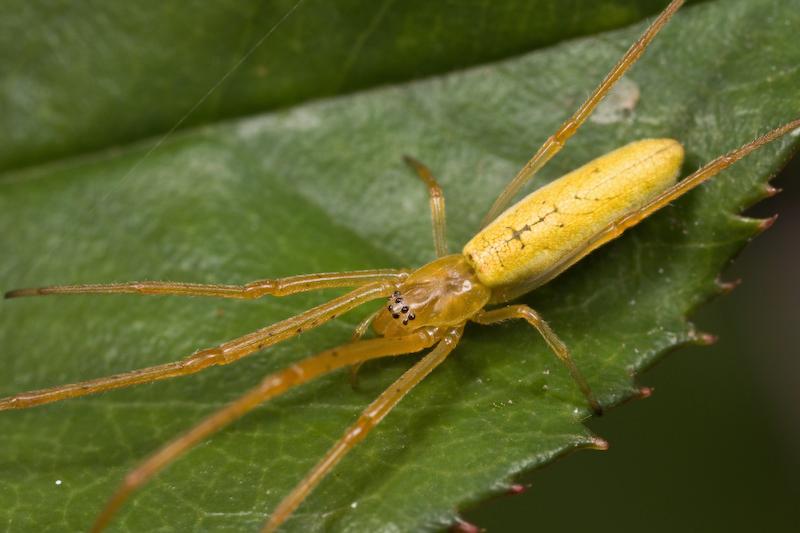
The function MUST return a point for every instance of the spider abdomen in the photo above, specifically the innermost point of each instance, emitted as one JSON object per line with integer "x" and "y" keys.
{"x": 525, "y": 243}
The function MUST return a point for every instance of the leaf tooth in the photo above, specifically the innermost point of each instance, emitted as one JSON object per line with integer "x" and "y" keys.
{"x": 765, "y": 223}
{"x": 596, "y": 443}
{"x": 770, "y": 191}
{"x": 725, "y": 287}
{"x": 645, "y": 392}
{"x": 462, "y": 526}
{"x": 702, "y": 338}
{"x": 516, "y": 488}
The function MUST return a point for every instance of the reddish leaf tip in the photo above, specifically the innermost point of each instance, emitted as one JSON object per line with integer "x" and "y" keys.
{"x": 767, "y": 223}
{"x": 598, "y": 444}
{"x": 727, "y": 286}
{"x": 516, "y": 488}
{"x": 462, "y": 526}
{"x": 705, "y": 339}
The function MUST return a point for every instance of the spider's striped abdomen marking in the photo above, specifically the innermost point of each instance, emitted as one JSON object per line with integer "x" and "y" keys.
{"x": 525, "y": 243}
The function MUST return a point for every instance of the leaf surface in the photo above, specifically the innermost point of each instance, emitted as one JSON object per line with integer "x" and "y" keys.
{"x": 90, "y": 75}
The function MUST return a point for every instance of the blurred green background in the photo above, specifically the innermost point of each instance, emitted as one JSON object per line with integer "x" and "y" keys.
{"x": 717, "y": 447}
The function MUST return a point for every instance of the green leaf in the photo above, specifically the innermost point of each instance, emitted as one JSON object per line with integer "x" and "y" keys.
{"x": 319, "y": 187}
{"x": 94, "y": 74}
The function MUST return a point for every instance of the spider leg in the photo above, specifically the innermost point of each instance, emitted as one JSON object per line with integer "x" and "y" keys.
{"x": 371, "y": 416}
{"x": 220, "y": 355}
{"x": 436, "y": 202}
{"x": 616, "y": 228}
{"x": 270, "y": 387}
{"x": 556, "y": 345}
{"x": 256, "y": 289}
{"x": 556, "y": 141}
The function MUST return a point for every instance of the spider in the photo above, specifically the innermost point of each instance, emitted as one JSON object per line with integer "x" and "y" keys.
{"x": 519, "y": 249}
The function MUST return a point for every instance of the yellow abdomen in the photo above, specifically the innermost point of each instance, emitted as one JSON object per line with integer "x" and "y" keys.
{"x": 523, "y": 245}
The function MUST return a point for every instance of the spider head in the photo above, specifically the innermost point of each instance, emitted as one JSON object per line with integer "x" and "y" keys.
{"x": 444, "y": 292}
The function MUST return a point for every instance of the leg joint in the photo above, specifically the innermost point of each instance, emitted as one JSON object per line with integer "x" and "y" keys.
{"x": 527, "y": 313}
{"x": 203, "y": 359}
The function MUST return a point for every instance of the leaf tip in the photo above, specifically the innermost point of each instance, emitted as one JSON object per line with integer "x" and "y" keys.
{"x": 766, "y": 223}
{"x": 596, "y": 443}
{"x": 725, "y": 287}
{"x": 516, "y": 488}
{"x": 704, "y": 339}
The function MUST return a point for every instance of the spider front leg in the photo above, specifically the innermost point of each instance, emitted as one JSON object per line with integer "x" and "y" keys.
{"x": 370, "y": 418}
{"x": 436, "y": 202}
{"x": 255, "y": 289}
{"x": 221, "y": 355}
{"x": 556, "y": 345}
{"x": 556, "y": 142}
{"x": 270, "y": 387}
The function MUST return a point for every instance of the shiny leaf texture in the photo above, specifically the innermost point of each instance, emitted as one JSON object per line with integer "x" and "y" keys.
{"x": 320, "y": 186}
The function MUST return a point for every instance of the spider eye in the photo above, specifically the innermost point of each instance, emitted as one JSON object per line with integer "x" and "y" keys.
{"x": 397, "y": 307}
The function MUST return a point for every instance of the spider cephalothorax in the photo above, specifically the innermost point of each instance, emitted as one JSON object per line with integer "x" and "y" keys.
{"x": 444, "y": 292}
